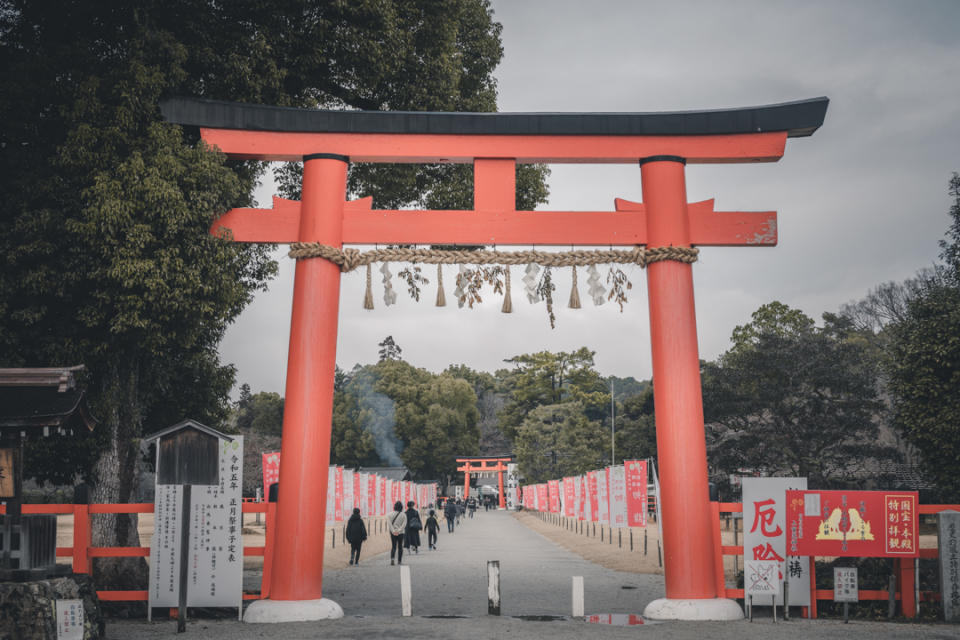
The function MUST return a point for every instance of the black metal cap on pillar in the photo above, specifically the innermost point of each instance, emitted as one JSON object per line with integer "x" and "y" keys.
{"x": 273, "y": 492}
{"x": 714, "y": 491}
{"x": 679, "y": 159}
{"x": 326, "y": 156}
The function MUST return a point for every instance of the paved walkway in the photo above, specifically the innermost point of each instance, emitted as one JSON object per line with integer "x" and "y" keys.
{"x": 535, "y": 576}
{"x": 535, "y": 581}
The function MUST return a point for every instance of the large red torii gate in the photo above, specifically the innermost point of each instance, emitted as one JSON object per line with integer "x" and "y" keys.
{"x": 486, "y": 465}
{"x": 662, "y": 144}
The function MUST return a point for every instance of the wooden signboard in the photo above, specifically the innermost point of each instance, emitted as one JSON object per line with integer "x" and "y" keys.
{"x": 7, "y": 474}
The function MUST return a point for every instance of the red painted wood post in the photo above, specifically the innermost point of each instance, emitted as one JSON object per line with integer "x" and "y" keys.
{"x": 500, "y": 471}
{"x": 270, "y": 524}
{"x": 813, "y": 588}
{"x": 305, "y": 449}
{"x": 466, "y": 483}
{"x": 681, "y": 442}
{"x": 81, "y": 538}
{"x": 718, "y": 551}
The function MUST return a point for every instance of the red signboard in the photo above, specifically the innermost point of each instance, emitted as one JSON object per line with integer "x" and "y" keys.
{"x": 553, "y": 490}
{"x": 542, "y": 497}
{"x": 581, "y": 494}
{"x": 866, "y": 524}
{"x": 372, "y": 494}
{"x": 636, "y": 479}
{"x": 384, "y": 491}
{"x": 594, "y": 496}
{"x": 271, "y": 471}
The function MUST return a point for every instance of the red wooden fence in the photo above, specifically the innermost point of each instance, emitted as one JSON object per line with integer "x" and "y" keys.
{"x": 81, "y": 552}
{"x": 904, "y": 568}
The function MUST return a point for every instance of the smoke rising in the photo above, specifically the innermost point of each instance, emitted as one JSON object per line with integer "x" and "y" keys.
{"x": 378, "y": 418}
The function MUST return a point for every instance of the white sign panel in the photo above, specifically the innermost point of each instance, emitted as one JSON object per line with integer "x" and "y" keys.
{"x": 845, "y": 587}
{"x": 69, "y": 619}
{"x": 215, "y": 575}
{"x": 511, "y": 497}
{"x": 765, "y": 534}
{"x": 618, "y": 497}
{"x": 761, "y": 578}
{"x": 215, "y": 556}
{"x": 165, "y": 546}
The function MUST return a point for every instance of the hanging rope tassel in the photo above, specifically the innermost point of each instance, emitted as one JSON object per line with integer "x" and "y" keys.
{"x": 368, "y": 296}
{"x": 574, "y": 294}
{"x": 441, "y": 298}
{"x": 507, "y": 302}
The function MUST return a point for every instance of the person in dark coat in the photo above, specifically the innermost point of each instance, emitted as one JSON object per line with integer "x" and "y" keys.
{"x": 356, "y": 534}
{"x": 414, "y": 525}
{"x": 450, "y": 513}
{"x": 433, "y": 530}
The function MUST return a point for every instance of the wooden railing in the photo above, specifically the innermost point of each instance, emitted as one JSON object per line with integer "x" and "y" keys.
{"x": 904, "y": 568}
{"x": 82, "y": 551}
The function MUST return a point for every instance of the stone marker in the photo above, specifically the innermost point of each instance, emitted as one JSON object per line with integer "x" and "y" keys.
{"x": 948, "y": 540}
{"x": 28, "y": 609}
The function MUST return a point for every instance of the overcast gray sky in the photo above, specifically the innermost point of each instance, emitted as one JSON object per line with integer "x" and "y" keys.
{"x": 861, "y": 202}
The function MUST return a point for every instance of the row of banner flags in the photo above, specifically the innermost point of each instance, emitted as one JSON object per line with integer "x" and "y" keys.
{"x": 615, "y": 496}
{"x": 372, "y": 493}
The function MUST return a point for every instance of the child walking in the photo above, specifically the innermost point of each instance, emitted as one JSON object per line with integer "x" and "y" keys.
{"x": 433, "y": 528}
{"x": 356, "y": 534}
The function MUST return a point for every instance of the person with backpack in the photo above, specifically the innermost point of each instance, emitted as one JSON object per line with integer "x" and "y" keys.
{"x": 433, "y": 530}
{"x": 398, "y": 525}
{"x": 414, "y": 525}
{"x": 356, "y": 534}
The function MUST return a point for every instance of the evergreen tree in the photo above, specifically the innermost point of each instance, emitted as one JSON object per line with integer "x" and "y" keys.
{"x": 790, "y": 398}
{"x": 924, "y": 366}
{"x": 104, "y": 245}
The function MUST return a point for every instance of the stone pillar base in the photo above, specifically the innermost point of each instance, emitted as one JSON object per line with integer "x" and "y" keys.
{"x": 261, "y": 611}
{"x": 705, "y": 609}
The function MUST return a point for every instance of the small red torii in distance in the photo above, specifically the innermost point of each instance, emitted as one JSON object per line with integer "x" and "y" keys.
{"x": 662, "y": 144}
{"x": 486, "y": 465}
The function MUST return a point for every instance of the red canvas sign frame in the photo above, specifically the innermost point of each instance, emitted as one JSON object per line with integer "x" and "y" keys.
{"x": 863, "y": 524}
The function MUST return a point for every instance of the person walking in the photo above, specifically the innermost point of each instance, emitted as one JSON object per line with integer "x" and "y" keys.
{"x": 356, "y": 534}
{"x": 433, "y": 530}
{"x": 398, "y": 525}
{"x": 472, "y": 505}
{"x": 414, "y": 525}
{"x": 450, "y": 513}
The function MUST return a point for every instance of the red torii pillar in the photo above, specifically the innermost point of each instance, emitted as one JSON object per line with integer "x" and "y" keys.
{"x": 662, "y": 142}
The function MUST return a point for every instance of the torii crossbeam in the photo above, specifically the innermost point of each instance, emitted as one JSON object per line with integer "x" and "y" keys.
{"x": 662, "y": 144}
